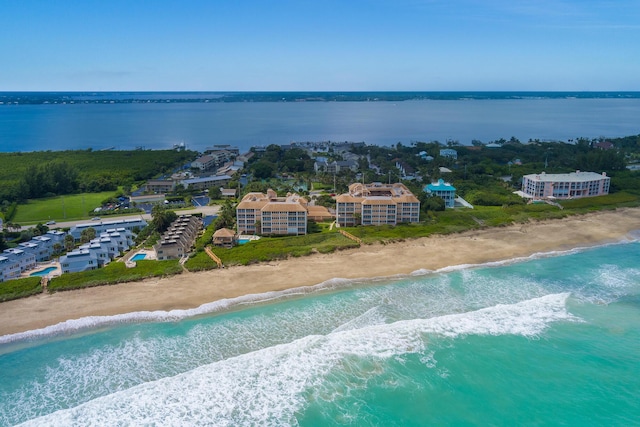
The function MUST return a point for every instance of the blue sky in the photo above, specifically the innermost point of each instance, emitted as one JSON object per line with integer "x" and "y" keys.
{"x": 298, "y": 45}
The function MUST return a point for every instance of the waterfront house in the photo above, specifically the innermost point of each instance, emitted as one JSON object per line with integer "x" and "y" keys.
{"x": 79, "y": 260}
{"x": 26, "y": 259}
{"x": 9, "y": 267}
{"x": 443, "y": 190}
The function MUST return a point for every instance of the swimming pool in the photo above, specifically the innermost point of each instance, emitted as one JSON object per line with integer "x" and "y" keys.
{"x": 138, "y": 257}
{"x": 243, "y": 241}
{"x": 43, "y": 272}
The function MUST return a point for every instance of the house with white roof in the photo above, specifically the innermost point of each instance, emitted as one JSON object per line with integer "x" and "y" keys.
{"x": 103, "y": 252}
{"x": 9, "y": 267}
{"x": 79, "y": 260}
{"x": 131, "y": 225}
{"x": 26, "y": 260}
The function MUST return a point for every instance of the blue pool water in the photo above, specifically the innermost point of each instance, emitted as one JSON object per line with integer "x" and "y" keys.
{"x": 138, "y": 257}
{"x": 243, "y": 241}
{"x": 43, "y": 272}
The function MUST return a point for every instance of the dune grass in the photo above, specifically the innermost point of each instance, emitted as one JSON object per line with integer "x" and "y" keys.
{"x": 116, "y": 272}
{"x": 20, "y": 288}
{"x": 269, "y": 249}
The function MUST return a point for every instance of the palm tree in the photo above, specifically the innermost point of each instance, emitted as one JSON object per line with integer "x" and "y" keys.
{"x": 69, "y": 243}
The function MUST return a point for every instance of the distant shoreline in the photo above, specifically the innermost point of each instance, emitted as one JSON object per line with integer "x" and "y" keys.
{"x": 88, "y": 97}
{"x": 191, "y": 290}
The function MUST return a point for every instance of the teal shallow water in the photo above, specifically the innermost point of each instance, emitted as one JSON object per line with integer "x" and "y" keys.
{"x": 553, "y": 340}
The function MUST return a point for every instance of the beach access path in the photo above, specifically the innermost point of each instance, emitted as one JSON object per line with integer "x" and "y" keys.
{"x": 190, "y": 290}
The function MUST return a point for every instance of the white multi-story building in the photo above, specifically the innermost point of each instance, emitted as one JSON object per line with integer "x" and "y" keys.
{"x": 566, "y": 185}
{"x": 377, "y": 204}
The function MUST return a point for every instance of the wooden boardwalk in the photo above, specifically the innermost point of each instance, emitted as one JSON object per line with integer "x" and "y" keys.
{"x": 350, "y": 236}
{"x": 213, "y": 256}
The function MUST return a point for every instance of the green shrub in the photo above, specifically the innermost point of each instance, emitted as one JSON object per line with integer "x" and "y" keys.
{"x": 20, "y": 288}
{"x": 116, "y": 272}
{"x": 200, "y": 262}
{"x": 273, "y": 248}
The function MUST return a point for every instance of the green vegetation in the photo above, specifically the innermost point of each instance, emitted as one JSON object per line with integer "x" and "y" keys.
{"x": 200, "y": 261}
{"x": 20, "y": 288}
{"x": 269, "y": 249}
{"x": 72, "y": 207}
{"x": 48, "y": 173}
{"x": 116, "y": 272}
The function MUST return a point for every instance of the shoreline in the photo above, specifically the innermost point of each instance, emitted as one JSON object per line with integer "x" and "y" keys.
{"x": 192, "y": 290}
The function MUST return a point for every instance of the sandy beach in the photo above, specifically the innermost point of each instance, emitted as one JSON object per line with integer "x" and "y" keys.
{"x": 193, "y": 289}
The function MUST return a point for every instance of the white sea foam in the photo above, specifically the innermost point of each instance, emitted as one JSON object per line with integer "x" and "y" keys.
{"x": 91, "y": 322}
{"x": 269, "y": 386}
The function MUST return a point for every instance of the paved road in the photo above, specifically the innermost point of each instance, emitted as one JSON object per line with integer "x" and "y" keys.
{"x": 204, "y": 210}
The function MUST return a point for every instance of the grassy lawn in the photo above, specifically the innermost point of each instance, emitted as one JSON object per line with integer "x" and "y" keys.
{"x": 61, "y": 208}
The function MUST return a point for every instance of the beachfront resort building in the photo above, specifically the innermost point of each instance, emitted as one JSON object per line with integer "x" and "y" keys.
{"x": 259, "y": 213}
{"x": 565, "y": 185}
{"x": 443, "y": 190}
{"x": 377, "y": 204}
{"x": 179, "y": 238}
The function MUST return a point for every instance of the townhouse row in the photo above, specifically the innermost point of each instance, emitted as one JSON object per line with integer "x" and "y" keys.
{"x": 179, "y": 238}
{"x": 24, "y": 257}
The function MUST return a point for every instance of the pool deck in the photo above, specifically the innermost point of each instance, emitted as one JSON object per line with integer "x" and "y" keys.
{"x": 149, "y": 255}
{"x": 43, "y": 266}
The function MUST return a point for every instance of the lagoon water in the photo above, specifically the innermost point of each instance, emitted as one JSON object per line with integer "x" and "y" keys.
{"x": 199, "y": 125}
{"x": 549, "y": 340}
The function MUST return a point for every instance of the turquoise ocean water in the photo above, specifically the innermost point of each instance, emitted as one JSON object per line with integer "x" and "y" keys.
{"x": 553, "y": 339}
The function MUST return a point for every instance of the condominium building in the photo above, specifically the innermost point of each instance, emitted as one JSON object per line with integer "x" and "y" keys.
{"x": 566, "y": 185}
{"x": 377, "y": 204}
{"x": 177, "y": 241}
{"x": 260, "y": 213}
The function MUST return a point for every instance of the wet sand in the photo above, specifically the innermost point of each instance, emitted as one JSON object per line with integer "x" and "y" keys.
{"x": 191, "y": 290}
